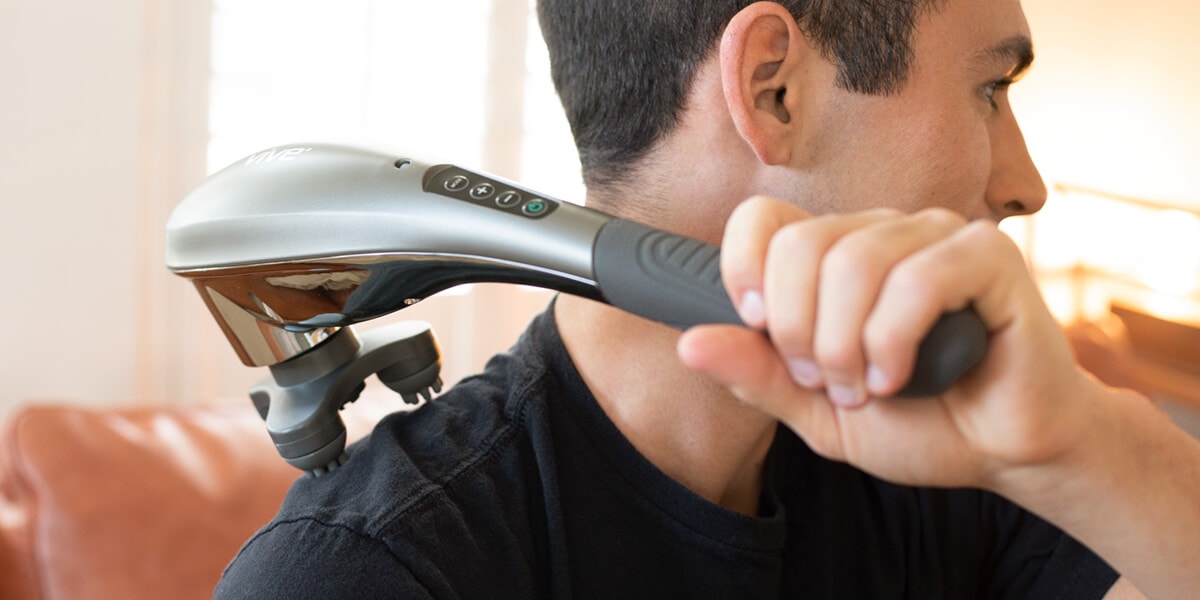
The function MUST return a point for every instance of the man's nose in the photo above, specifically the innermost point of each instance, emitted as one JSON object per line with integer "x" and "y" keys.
{"x": 1016, "y": 186}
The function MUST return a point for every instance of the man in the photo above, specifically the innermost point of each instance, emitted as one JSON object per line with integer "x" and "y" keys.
{"x": 607, "y": 456}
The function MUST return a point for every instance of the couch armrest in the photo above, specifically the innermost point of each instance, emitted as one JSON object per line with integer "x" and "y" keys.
{"x": 131, "y": 503}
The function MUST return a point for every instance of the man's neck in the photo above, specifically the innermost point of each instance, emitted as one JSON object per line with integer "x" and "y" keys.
{"x": 688, "y": 427}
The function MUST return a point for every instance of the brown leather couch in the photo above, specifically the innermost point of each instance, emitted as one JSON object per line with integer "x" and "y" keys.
{"x": 133, "y": 502}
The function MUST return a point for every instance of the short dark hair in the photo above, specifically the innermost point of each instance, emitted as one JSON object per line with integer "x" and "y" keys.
{"x": 623, "y": 68}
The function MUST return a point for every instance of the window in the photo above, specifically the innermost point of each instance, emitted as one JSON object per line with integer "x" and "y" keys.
{"x": 440, "y": 81}
{"x": 459, "y": 81}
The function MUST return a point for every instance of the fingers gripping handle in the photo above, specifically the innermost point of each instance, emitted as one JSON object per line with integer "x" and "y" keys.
{"x": 676, "y": 280}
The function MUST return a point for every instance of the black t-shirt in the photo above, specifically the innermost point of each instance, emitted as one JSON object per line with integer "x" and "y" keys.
{"x": 515, "y": 484}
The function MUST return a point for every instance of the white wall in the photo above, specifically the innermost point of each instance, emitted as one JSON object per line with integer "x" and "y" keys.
{"x": 1111, "y": 101}
{"x": 96, "y": 102}
{"x": 102, "y": 129}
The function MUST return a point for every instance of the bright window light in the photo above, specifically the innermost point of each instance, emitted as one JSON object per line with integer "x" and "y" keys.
{"x": 417, "y": 78}
{"x": 408, "y": 76}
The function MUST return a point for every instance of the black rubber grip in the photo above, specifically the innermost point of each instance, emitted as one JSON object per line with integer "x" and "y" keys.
{"x": 676, "y": 280}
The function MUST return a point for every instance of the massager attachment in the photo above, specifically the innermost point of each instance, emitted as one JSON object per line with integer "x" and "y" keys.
{"x": 290, "y": 246}
{"x": 301, "y": 398}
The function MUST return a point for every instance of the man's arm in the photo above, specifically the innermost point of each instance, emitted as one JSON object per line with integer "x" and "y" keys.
{"x": 846, "y": 299}
{"x": 1130, "y": 491}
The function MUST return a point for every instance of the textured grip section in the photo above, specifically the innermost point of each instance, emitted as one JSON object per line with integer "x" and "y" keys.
{"x": 677, "y": 281}
{"x": 661, "y": 276}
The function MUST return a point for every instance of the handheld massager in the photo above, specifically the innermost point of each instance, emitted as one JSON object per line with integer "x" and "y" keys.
{"x": 290, "y": 246}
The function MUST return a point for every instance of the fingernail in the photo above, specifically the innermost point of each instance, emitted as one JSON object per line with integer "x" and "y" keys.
{"x": 877, "y": 380}
{"x": 846, "y": 396}
{"x": 805, "y": 372}
{"x": 752, "y": 309}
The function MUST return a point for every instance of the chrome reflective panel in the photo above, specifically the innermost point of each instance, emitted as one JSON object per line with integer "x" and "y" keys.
{"x": 273, "y": 312}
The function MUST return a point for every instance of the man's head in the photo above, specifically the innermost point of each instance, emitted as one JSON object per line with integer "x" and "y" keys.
{"x": 623, "y": 68}
{"x": 688, "y": 107}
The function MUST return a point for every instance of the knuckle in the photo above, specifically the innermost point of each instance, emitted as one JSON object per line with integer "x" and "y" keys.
{"x": 759, "y": 203}
{"x": 798, "y": 240}
{"x": 990, "y": 236}
{"x": 838, "y": 354}
{"x": 942, "y": 218}
{"x": 884, "y": 213}
{"x": 854, "y": 252}
{"x": 754, "y": 208}
{"x": 920, "y": 284}
{"x": 983, "y": 231}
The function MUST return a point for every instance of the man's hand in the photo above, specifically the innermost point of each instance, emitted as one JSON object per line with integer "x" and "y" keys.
{"x": 845, "y": 301}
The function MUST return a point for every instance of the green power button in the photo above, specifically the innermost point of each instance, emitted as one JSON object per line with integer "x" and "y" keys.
{"x": 534, "y": 208}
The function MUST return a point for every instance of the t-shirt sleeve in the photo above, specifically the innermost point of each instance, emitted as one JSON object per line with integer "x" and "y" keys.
{"x": 308, "y": 559}
{"x": 1035, "y": 559}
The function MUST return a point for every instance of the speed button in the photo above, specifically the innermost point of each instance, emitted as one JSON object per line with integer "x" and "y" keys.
{"x": 483, "y": 191}
{"x": 508, "y": 199}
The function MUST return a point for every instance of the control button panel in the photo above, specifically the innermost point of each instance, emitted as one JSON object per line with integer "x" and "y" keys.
{"x": 461, "y": 184}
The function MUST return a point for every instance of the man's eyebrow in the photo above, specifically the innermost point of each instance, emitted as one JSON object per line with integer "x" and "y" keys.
{"x": 1016, "y": 51}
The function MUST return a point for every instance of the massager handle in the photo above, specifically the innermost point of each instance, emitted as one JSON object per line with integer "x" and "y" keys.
{"x": 677, "y": 280}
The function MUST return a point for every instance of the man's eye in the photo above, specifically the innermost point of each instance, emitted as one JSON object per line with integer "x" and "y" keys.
{"x": 989, "y": 90}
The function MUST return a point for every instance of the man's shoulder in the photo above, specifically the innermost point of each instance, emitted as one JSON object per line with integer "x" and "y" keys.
{"x": 308, "y": 558}
{"x": 445, "y": 484}
{"x": 416, "y": 463}
{"x": 413, "y": 457}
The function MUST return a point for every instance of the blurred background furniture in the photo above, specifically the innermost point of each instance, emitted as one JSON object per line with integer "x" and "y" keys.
{"x": 1121, "y": 273}
{"x": 138, "y": 502}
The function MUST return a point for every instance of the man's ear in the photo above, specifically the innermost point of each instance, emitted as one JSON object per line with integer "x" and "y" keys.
{"x": 761, "y": 55}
